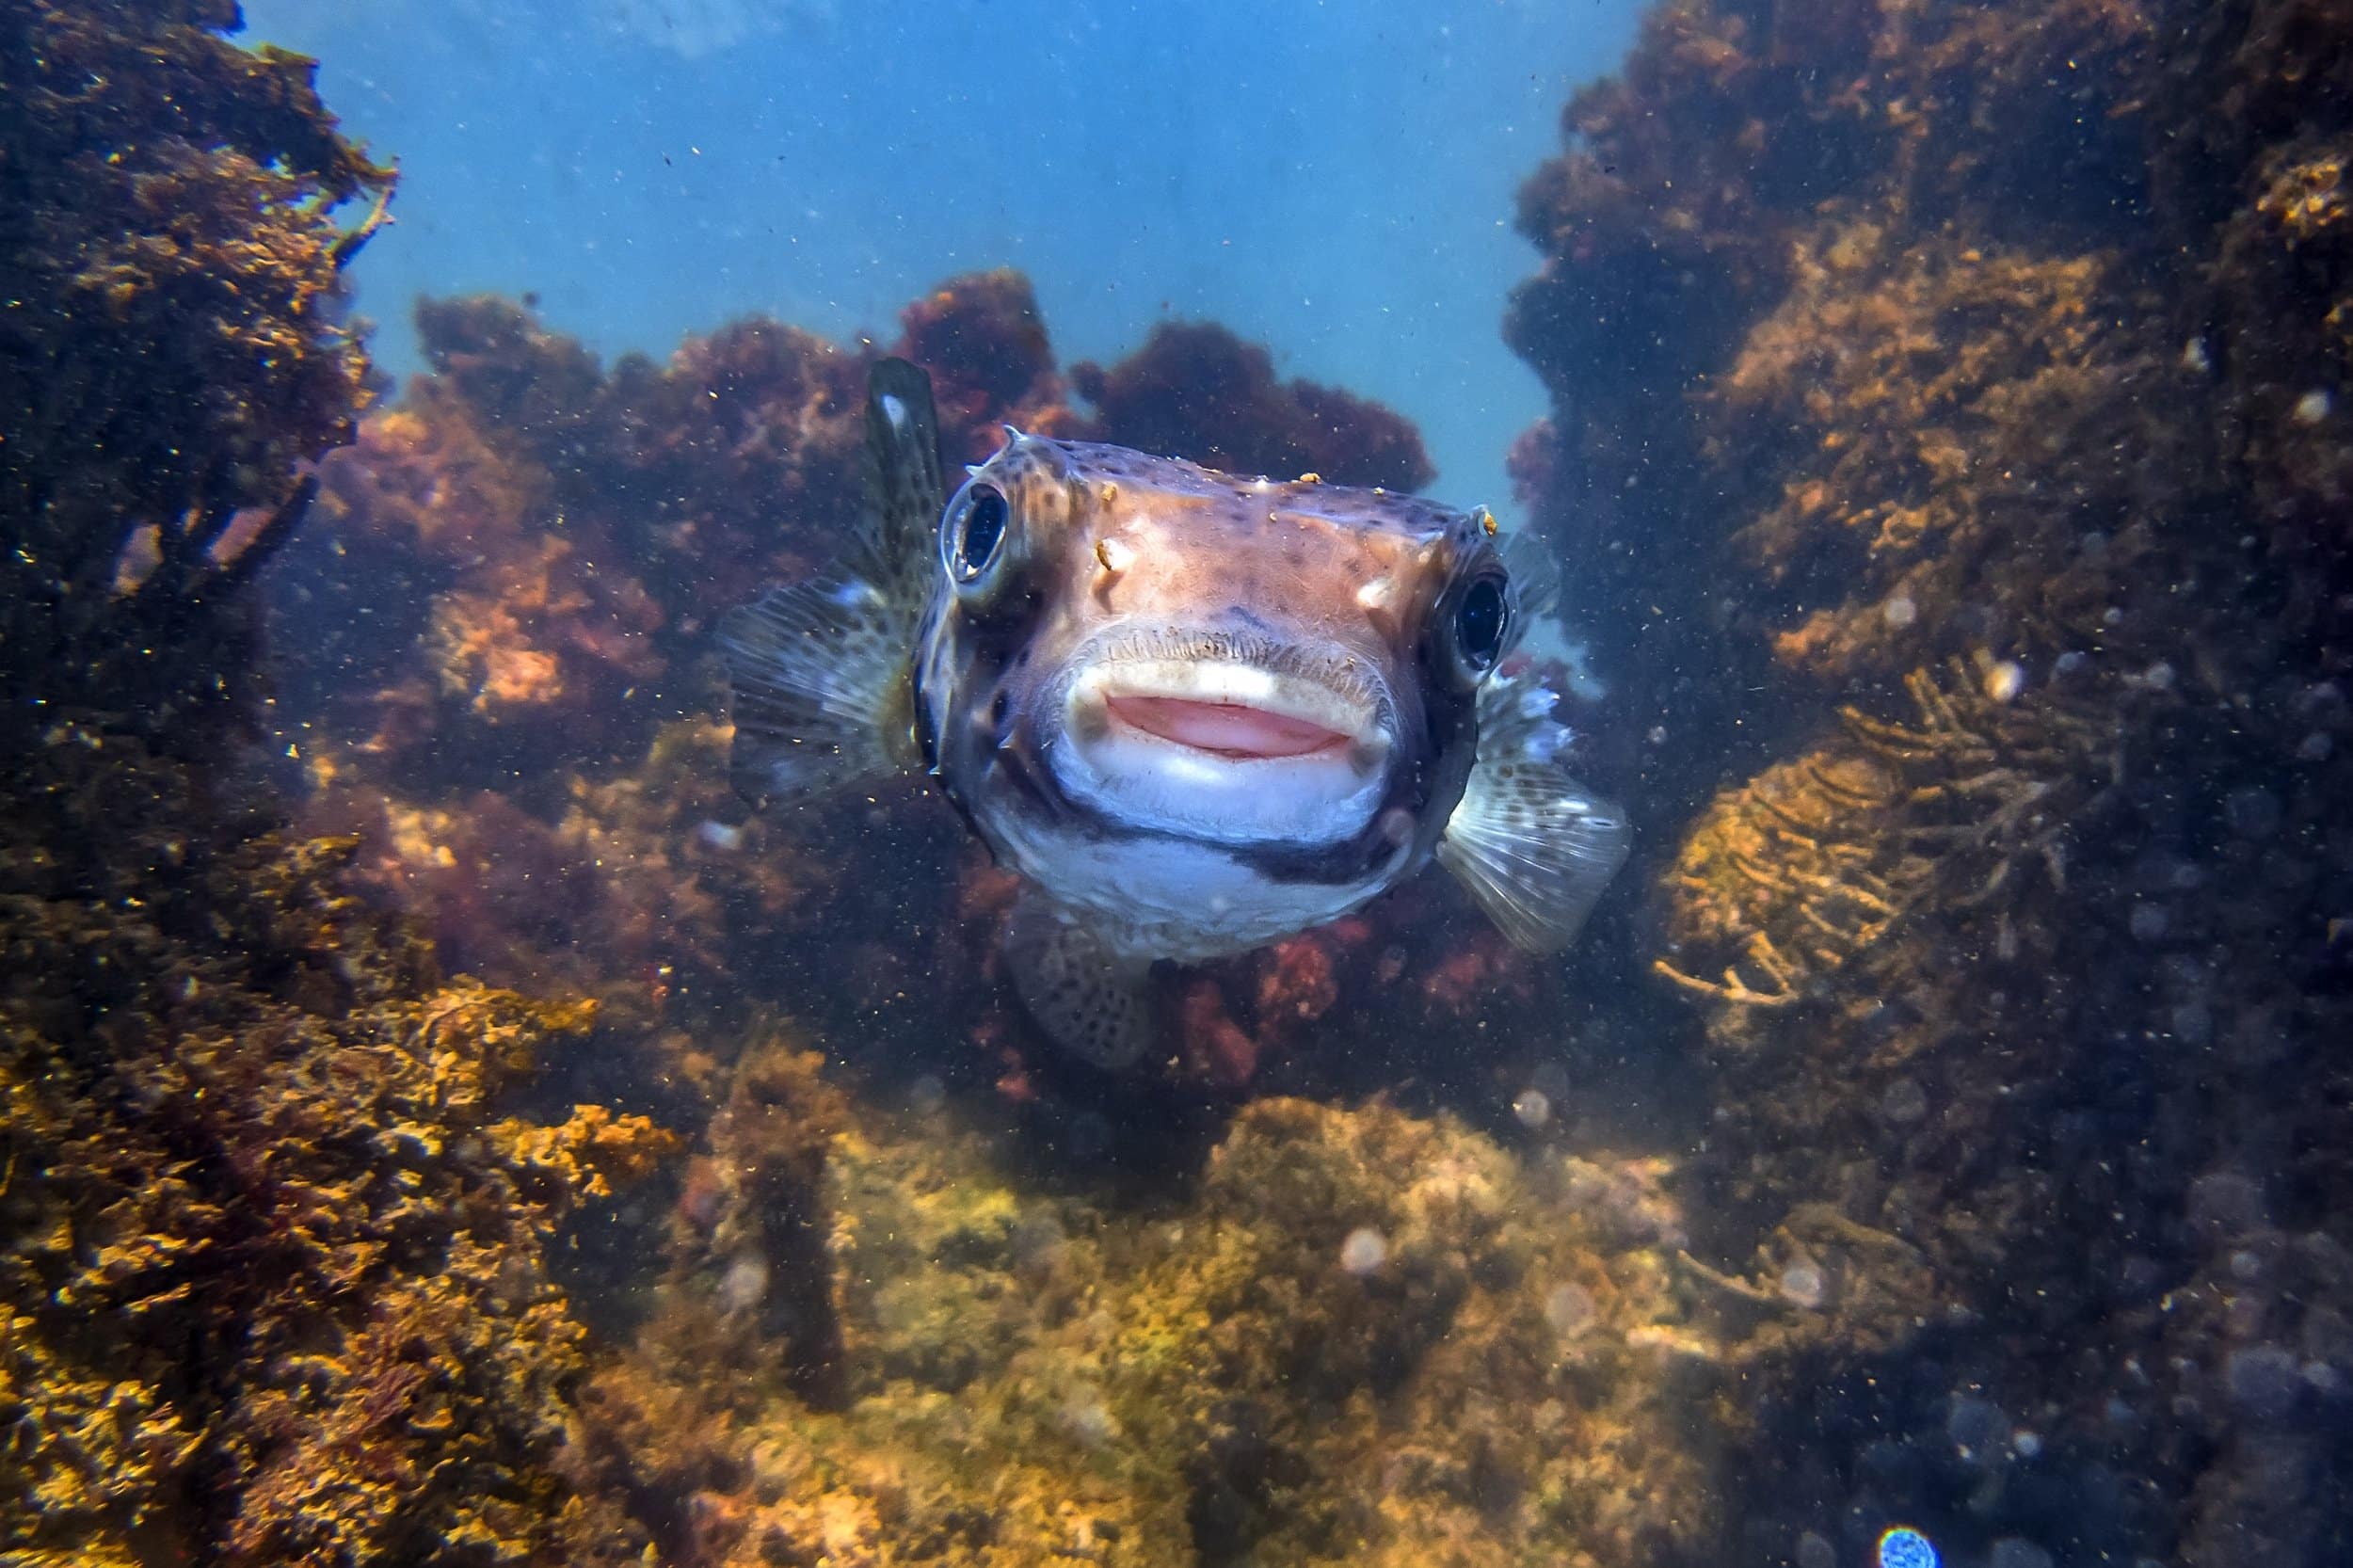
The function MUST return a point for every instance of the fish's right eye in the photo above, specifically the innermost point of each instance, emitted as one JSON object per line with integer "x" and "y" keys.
{"x": 976, "y": 532}
{"x": 1480, "y": 623}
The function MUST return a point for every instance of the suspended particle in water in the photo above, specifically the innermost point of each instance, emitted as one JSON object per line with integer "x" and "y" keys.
{"x": 2013, "y": 1551}
{"x": 1088, "y": 1419}
{"x": 1904, "y": 1102}
{"x": 1902, "y": 1547}
{"x": 1815, "y": 1551}
{"x": 1978, "y": 1429}
{"x": 1363, "y": 1252}
{"x": 1533, "y": 1107}
{"x": 1900, "y": 612}
{"x": 2253, "y": 812}
{"x": 1801, "y": 1285}
{"x": 2264, "y": 1380}
{"x": 724, "y": 837}
{"x": 743, "y": 1285}
{"x": 2151, "y": 922}
{"x": 2025, "y": 1443}
{"x": 1569, "y": 1310}
{"x": 2313, "y": 406}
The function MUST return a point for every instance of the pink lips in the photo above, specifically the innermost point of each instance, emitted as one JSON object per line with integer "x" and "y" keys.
{"x": 1225, "y": 728}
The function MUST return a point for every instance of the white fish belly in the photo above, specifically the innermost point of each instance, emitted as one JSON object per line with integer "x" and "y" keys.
{"x": 1174, "y": 898}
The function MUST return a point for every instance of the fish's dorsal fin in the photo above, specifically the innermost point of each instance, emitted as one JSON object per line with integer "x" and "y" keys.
{"x": 1536, "y": 579}
{"x": 1534, "y": 847}
{"x": 896, "y": 546}
{"x": 1096, "y": 1003}
{"x": 822, "y": 671}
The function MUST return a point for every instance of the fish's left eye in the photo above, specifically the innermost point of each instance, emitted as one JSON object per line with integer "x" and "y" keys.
{"x": 975, "y": 533}
{"x": 1479, "y": 624}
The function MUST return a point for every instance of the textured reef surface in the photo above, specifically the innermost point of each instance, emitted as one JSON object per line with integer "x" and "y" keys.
{"x": 453, "y": 1130}
{"x": 1988, "y": 362}
{"x": 273, "y": 1287}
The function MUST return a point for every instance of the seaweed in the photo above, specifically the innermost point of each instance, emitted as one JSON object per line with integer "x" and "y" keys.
{"x": 1971, "y": 568}
{"x": 1361, "y": 1333}
{"x": 172, "y": 350}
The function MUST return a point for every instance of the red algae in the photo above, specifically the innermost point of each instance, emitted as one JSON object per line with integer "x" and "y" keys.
{"x": 1196, "y": 390}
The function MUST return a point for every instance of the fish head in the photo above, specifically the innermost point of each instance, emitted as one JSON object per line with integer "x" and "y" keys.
{"x": 1138, "y": 647}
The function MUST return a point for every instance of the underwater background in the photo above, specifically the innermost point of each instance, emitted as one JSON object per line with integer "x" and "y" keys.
{"x": 440, "y": 1124}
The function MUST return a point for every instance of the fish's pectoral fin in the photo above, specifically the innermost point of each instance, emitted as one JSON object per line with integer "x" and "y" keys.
{"x": 823, "y": 688}
{"x": 1532, "y": 845}
{"x": 1097, "y": 1004}
{"x": 1535, "y": 848}
{"x": 823, "y": 671}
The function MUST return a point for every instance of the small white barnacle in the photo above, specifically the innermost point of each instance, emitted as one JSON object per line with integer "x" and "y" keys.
{"x": 1115, "y": 555}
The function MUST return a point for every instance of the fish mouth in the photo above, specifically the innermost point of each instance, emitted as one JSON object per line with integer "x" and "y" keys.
{"x": 1238, "y": 732}
{"x": 1293, "y": 747}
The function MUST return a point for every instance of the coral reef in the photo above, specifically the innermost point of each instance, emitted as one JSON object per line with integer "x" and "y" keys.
{"x": 276, "y": 1288}
{"x": 172, "y": 349}
{"x": 516, "y": 730}
{"x": 278, "y": 1292}
{"x": 1947, "y": 442}
{"x": 1365, "y": 1336}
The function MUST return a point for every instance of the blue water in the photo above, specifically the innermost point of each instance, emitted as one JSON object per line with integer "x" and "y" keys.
{"x": 1335, "y": 179}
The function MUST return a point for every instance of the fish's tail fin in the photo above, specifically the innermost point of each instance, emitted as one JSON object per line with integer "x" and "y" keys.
{"x": 822, "y": 671}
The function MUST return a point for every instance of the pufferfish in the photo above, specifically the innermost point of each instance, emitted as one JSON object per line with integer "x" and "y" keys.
{"x": 1196, "y": 712}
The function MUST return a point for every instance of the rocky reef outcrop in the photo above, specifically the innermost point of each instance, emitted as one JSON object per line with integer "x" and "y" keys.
{"x": 1948, "y": 429}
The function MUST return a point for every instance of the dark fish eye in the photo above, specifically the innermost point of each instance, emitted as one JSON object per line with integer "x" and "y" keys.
{"x": 980, "y": 531}
{"x": 1479, "y": 624}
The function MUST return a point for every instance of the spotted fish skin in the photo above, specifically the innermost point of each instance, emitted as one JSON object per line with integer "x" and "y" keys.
{"x": 1196, "y": 712}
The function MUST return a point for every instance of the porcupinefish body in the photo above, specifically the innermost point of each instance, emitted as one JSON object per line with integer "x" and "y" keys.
{"x": 1196, "y": 712}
